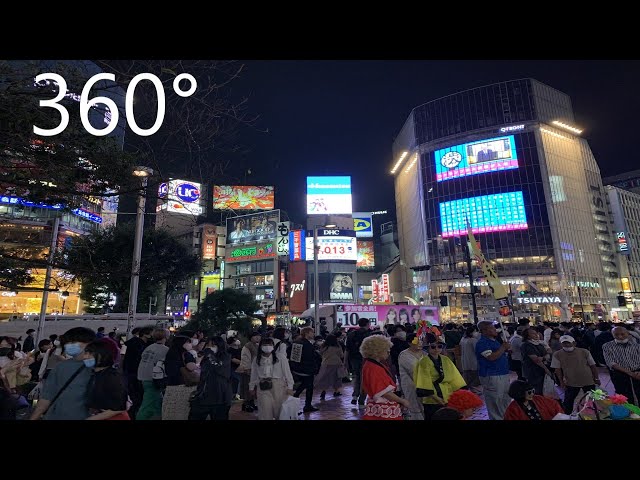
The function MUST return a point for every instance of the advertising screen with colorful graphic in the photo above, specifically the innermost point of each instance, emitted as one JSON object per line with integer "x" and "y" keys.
{"x": 366, "y": 257}
{"x": 500, "y": 212}
{"x": 340, "y": 245}
{"x": 341, "y": 288}
{"x": 182, "y": 196}
{"x": 381, "y": 315}
{"x": 209, "y": 242}
{"x": 328, "y": 195}
{"x": 297, "y": 245}
{"x": 243, "y": 197}
{"x": 489, "y": 155}
{"x": 256, "y": 227}
{"x": 363, "y": 224}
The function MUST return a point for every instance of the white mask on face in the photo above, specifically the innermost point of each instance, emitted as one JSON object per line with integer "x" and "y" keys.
{"x": 401, "y": 335}
{"x": 568, "y": 349}
{"x": 287, "y": 336}
{"x": 195, "y": 341}
{"x": 535, "y": 342}
{"x": 214, "y": 349}
{"x": 267, "y": 348}
{"x": 626, "y": 340}
{"x": 236, "y": 343}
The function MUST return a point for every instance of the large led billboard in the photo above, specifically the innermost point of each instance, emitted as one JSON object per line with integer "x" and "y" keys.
{"x": 333, "y": 244}
{"x": 363, "y": 224}
{"x": 242, "y": 197}
{"x": 381, "y": 315}
{"x": 182, "y": 196}
{"x": 328, "y": 195}
{"x": 487, "y": 213}
{"x": 489, "y": 155}
{"x": 256, "y": 227}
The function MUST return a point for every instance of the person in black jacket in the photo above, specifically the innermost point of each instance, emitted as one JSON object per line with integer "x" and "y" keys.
{"x": 213, "y": 395}
{"x": 303, "y": 364}
{"x": 29, "y": 341}
{"x": 135, "y": 347}
{"x": 106, "y": 393}
{"x": 354, "y": 340}
{"x": 603, "y": 337}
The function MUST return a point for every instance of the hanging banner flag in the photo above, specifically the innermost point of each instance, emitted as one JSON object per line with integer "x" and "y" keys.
{"x": 383, "y": 289}
{"x": 497, "y": 288}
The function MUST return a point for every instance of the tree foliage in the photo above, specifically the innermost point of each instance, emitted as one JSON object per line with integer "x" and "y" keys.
{"x": 102, "y": 261}
{"x": 224, "y": 310}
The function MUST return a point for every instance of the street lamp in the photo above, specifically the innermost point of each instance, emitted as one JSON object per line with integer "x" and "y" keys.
{"x": 64, "y": 295}
{"x": 143, "y": 173}
{"x": 316, "y": 282}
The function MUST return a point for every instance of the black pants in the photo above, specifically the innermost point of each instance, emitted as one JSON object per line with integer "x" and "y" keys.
{"x": 356, "y": 369}
{"x": 516, "y": 366}
{"x": 136, "y": 392}
{"x": 216, "y": 412}
{"x": 306, "y": 382}
{"x": 430, "y": 409}
{"x": 625, "y": 385}
{"x": 570, "y": 395}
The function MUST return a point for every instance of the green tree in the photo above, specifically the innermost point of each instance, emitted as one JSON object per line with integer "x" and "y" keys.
{"x": 224, "y": 310}
{"x": 102, "y": 261}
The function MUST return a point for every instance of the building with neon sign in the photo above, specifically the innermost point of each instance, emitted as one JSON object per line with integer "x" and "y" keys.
{"x": 507, "y": 160}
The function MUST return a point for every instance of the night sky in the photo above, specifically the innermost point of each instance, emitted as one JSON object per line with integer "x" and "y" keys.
{"x": 341, "y": 117}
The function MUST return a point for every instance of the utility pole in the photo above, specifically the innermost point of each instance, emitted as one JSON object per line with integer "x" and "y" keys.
{"x": 467, "y": 255}
{"x": 47, "y": 278}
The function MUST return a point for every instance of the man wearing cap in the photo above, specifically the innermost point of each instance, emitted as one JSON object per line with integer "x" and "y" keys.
{"x": 623, "y": 359}
{"x": 575, "y": 369}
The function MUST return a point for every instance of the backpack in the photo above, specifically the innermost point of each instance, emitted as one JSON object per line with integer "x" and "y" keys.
{"x": 159, "y": 376}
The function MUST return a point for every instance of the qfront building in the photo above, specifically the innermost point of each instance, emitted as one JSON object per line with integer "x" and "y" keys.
{"x": 507, "y": 160}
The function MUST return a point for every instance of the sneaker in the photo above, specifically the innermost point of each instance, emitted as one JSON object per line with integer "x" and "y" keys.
{"x": 310, "y": 409}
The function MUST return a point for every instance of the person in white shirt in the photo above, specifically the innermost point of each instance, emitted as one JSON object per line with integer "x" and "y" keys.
{"x": 516, "y": 354}
{"x": 547, "y": 334}
{"x": 271, "y": 381}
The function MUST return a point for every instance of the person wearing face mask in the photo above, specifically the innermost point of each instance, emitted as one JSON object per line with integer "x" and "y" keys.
{"x": 407, "y": 361}
{"x": 213, "y": 395}
{"x": 622, "y": 356}
{"x": 303, "y": 364}
{"x": 247, "y": 355}
{"x": 131, "y": 362}
{"x": 63, "y": 396}
{"x": 43, "y": 347}
{"x": 106, "y": 393}
{"x": 181, "y": 355}
{"x": 533, "y": 355}
{"x": 271, "y": 381}
{"x": 233, "y": 348}
{"x": 575, "y": 369}
{"x": 52, "y": 357}
{"x": 281, "y": 343}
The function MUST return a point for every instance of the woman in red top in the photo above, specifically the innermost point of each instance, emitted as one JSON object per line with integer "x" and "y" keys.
{"x": 526, "y": 405}
{"x": 377, "y": 381}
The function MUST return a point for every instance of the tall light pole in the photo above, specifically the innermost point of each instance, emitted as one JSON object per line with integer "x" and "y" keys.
{"x": 47, "y": 278}
{"x": 143, "y": 173}
{"x": 316, "y": 281}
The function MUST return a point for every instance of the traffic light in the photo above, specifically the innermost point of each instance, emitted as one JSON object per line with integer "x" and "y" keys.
{"x": 444, "y": 301}
{"x": 622, "y": 301}
{"x": 421, "y": 268}
{"x": 522, "y": 293}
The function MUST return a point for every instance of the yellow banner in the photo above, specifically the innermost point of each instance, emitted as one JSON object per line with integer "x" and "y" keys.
{"x": 499, "y": 291}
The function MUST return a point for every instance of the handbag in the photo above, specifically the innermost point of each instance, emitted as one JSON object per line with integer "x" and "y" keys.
{"x": 190, "y": 378}
{"x": 266, "y": 384}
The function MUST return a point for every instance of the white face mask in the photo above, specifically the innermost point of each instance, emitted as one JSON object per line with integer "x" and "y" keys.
{"x": 267, "y": 348}
{"x": 214, "y": 349}
{"x": 56, "y": 343}
{"x": 401, "y": 335}
{"x": 568, "y": 349}
{"x": 195, "y": 341}
{"x": 535, "y": 342}
{"x": 236, "y": 343}
{"x": 626, "y": 340}
{"x": 287, "y": 336}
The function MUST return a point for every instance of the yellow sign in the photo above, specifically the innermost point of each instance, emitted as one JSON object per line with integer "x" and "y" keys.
{"x": 499, "y": 292}
{"x": 626, "y": 285}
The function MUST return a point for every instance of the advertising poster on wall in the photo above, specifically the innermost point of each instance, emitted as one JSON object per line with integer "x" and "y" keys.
{"x": 297, "y": 245}
{"x": 341, "y": 288}
{"x": 183, "y": 196}
{"x": 257, "y": 227}
{"x": 298, "y": 287}
{"x": 283, "y": 238}
{"x": 109, "y": 210}
{"x": 489, "y": 155}
{"x": 243, "y": 197}
{"x": 209, "y": 242}
{"x": 381, "y": 315}
{"x": 250, "y": 253}
{"x": 328, "y": 195}
{"x": 366, "y": 257}
{"x": 363, "y": 224}
{"x": 334, "y": 245}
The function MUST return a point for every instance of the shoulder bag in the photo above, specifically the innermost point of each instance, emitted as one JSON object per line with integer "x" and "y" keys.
{"x": 190, "y": 378}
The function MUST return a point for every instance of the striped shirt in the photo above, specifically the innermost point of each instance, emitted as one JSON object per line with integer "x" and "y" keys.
{"x": 625, "y": 355}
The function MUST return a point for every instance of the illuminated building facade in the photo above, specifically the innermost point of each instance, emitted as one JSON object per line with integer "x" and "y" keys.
{"x": 507, "y": 160}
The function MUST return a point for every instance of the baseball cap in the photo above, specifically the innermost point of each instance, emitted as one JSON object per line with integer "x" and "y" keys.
{"x": 567, "y": 338}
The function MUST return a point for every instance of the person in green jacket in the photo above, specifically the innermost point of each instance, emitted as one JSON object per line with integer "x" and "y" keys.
{"x": 436, "y": 377}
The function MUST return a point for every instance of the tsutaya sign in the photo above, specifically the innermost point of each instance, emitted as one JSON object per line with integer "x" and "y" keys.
{"x": 539, "y": 300}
